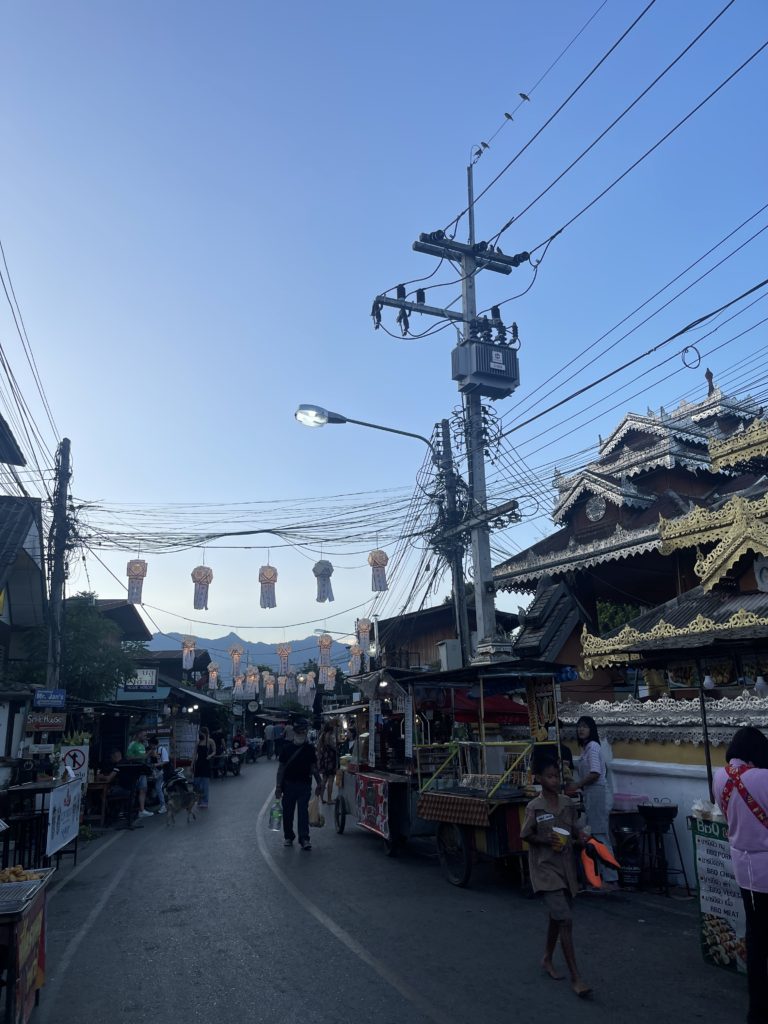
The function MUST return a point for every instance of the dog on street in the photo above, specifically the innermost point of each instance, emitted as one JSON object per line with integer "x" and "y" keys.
{"x": 178, "y": 800}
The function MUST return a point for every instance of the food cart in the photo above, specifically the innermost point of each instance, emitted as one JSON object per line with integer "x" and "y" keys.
{"x": 403, "y": 779}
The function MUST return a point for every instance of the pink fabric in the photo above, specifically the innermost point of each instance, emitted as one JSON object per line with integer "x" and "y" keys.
{"x": 747, "y": 836}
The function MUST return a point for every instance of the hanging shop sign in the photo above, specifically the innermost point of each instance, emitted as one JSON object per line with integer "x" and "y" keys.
{"x": 253, "y": 705}
{"x": 46, "y": 721}
{"x": 50, "y": 699}
{"x": 145, "y": 681}
{"x": 237, "y": 709}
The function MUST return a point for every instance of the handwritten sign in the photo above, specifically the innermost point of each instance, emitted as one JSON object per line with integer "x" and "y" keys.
{"x": 63, "y": 816}
{"x": 46, "y": 721}
{"x": 722, "y": 912}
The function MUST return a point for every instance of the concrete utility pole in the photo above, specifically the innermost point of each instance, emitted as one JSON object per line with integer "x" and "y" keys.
{"x": 59, "y": 540}
{"x": 482, "y": 366}
{"x": 455, "y": 548}
{"x": 485, "y": 606}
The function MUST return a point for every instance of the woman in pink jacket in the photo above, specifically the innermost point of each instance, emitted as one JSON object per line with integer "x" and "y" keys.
{"x": 741, "y": 791}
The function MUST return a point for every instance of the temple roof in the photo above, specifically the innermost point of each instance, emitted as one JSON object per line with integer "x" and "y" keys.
{"x": 590, "y": 482}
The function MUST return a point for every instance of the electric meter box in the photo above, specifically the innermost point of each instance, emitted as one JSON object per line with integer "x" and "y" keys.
{"x": 489, "y": 370}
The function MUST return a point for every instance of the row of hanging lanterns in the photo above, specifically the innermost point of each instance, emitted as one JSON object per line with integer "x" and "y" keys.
{"x": 202, "y": 577}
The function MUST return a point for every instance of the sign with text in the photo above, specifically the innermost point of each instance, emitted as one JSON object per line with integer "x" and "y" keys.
{"x": 372, "y": 804}
{"x": 50, "y": 699}
{"x": 76, "y": 758}
{"x": 144, "y": 681}
{"x": 30, "y": 958}
{"x": 46, "y": 721}
{"x": 722, "y": 912}
{"x": 63, "y": 816}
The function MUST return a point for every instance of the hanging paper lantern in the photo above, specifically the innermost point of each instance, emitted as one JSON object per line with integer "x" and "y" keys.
{"x": 364, "y": 636}
{"x": 188, "y": 653}
{"x": 137, "y": 570}
{"x": 323, "y": 570}
{"x": 202, "y": 577}
{"x": 355, "y": 653}
{"x": 330, "y": 679}
{"x": 284, "y": 653}
{"x": 235, "y": 653}
{"x": 238, "y": 692}
{"x": 213, "y": 675}
{"x": 281, "y": 684}
{"x": 378, "y": 563}
{"x": 291, "y": 686}
{"x": 251, "y": 681}
{"x": 270, "y": 688}
{"x": 267, "y": 579}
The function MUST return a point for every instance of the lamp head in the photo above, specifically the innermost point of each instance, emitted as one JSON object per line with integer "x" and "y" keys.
{"x": 317, "y": 416}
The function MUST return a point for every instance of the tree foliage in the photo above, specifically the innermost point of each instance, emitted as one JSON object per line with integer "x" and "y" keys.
{"x": 94, "y": 661}
{"x": 611, "y": 615}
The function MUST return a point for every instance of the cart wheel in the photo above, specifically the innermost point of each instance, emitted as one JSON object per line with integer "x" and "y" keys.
{"x": 454, "y": 852}
{"x": 340, "y": 814}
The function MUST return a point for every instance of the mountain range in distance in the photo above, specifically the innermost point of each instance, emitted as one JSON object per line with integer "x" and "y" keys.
{"x": 253, "y": 653}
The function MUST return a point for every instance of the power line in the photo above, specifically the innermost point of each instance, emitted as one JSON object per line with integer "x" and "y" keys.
{"x": 652, "y": 148}
{"x": 613, "y": 123}
{"x": 562, "y": 106}
{"x": 631, "y": 362}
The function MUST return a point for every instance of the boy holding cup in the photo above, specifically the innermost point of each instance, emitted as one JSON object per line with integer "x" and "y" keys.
{"x": 550, "y": 830}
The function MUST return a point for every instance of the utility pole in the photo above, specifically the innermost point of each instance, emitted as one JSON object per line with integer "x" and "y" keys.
{"x": 482, "y": 365}
{"x": 59, "y": 540}
{"x": 455, "y": 546}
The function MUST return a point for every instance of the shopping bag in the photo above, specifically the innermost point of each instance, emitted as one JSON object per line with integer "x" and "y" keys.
{"x": 316, "y": 819}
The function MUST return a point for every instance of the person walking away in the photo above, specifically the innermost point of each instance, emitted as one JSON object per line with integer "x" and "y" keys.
{"x": 741, "y": 792}
{"x": 327, "y": 759}
{"x": 269, "y": 739}
{"x": 592, "y": 782}
{"x": 552, "y": 868}
{"x": 298, "y": 764}
{"x": 205, "y": 752}
{"x": 279, "y": 737}
{"x": 155, "y": 758}
{"x": 137, "y": 751}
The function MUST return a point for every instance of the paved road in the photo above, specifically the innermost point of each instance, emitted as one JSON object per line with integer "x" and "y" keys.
{"x": 217, "y": 922}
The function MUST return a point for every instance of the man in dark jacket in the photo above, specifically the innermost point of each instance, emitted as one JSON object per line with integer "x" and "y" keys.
{"x": 297, "y": 767}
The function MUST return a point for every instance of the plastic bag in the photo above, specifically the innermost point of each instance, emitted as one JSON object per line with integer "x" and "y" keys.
{"x": 276, "y": 816}
{"x": 316, "y": 819}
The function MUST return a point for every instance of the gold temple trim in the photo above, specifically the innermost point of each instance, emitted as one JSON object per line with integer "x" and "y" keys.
{"x": 740, "y": 447}
{"x": 600, "y": 653}
{"x": 736, "y": 528}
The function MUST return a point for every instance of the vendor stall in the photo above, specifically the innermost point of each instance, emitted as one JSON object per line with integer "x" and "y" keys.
{"x": 22, "y": 941}
{"x": 429, "y": 757}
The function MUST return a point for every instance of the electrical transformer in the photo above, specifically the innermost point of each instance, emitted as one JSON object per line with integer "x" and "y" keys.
{"x": 485, "y": 369}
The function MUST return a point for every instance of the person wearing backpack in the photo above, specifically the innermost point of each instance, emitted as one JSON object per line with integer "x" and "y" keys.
{"x": 741, "y": 792}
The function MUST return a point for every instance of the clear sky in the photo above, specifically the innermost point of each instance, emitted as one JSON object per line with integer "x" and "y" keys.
{"x": 199, "y": 202}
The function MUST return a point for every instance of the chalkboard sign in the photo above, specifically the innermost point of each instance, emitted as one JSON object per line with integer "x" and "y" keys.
{"x": 722, "y": 911}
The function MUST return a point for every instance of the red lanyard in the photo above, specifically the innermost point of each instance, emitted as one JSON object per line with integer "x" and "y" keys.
{"x": 735, "y": 782}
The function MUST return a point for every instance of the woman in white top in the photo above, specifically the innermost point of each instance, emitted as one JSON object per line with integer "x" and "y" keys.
{"x": 591, "y": 781}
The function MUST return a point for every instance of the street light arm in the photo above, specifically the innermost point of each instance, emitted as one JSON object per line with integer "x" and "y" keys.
{"x": 392, "y": 430}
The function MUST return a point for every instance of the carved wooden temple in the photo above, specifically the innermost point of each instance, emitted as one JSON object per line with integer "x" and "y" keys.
{"x": 666, "y": 509}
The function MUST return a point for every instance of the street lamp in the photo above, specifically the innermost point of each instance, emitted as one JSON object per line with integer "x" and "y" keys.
{"x": 317, "y": 416}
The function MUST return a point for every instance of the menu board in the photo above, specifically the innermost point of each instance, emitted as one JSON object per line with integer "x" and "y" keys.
{"x": 372, "y": 804}
{"x": 722, "y": 911}
{"x": 184, "y": 740}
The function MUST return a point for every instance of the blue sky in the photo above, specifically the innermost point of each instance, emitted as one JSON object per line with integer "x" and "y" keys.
{"x": 200, "y": 201}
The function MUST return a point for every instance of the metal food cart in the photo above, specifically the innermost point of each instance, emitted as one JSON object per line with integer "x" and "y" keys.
{"x": 470, "y": 793}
